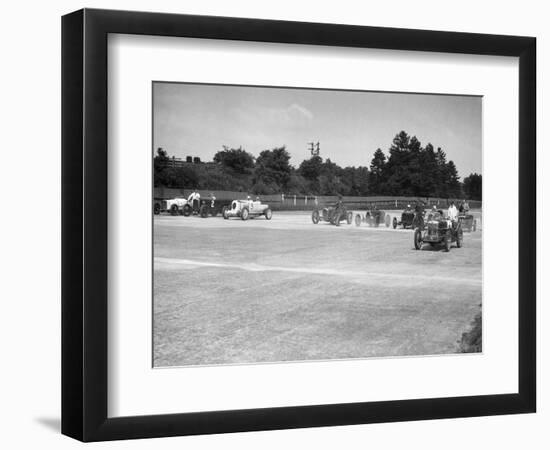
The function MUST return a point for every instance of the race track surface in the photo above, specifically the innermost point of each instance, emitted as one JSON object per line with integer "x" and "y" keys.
{"x": 235, "y": 292}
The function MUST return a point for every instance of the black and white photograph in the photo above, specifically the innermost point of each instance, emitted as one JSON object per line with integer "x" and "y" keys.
{"x": 298, "y": 224}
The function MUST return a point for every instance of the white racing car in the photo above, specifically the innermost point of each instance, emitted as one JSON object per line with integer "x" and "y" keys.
{"x": 177, "y": 206}
{"x": 246, "y": 209}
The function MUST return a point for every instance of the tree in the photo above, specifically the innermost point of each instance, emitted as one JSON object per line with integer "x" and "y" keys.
{"x": 400, "y": 168}
{"x": 376, "y": 174}
{"x": 160, "y": 163}
{"x": 310, "y": 169}
{"x": 472, "y": 186}
{"x": 272, "y": 167}
{"x": 427, "y": 183}
{"x": 454, "y": 188}
{"x": 235, "y": 159}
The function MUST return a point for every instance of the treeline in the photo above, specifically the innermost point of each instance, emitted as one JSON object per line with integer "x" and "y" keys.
{"x": 410, "y": 169}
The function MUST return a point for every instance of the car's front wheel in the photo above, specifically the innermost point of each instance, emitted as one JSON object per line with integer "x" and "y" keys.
{"x": 447, "y": 242}
{"x": 459, "y": 238}
{"x": 174, "y": 210}
{"x": 394, "y": 223}
{"x": 357, "y": 220}
{"x": 315, "y": 216}
{"x": 225, "y": 214}
{"x": 203, "y": 212}
{"x": 474, "y": 225}
{"x": 156, "y": 209}
{"x": 268, "y": 214}
{"x": 244, "y": 214}
{"x": 388, "y": 220}
{"x": 187, "y": 210}
{"x": 349, "y": 218}
{"x": 417, "y": 239}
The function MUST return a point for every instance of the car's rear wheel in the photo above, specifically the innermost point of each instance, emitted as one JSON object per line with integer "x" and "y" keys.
{"x": 244, "y": 214}
{"x": 214, "y": 212}
{"x": 203, "y": 212}
{"x": 315, "y": 216}
{"x": 268, "y": 214}
{"x": 394, "y": 223}
{"x": 417, "y": 239}
{"x": 225, "y": 214}
{"x": 349, "y": 218}
{"x": 156, "y": 209}
{"x": 174, "y": 210}
{"x": 388, "y": 220}
{"x": 187, "y": 210}
{"x": 358, "y": 220}
{"x": 474, "y": 225}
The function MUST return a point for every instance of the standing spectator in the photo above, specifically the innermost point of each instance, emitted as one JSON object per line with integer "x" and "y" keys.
{"x": 452, "y": 212}
{"x": 194, "y": 200}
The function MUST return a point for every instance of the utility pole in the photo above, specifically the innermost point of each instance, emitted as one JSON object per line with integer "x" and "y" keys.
{"x": 314, "y": 148}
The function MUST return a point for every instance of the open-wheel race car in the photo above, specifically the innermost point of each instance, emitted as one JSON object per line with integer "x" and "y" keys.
{"x": 409, "y": 219}
{"x": 468, "y": 222}
{"x": 246, "y": 209}
{"x": 211, "y": 207}
{"x": 438, "y": 230}
{"x": 332, "y": 214}
{"x": 176, "y": 206}
{"x": 373, "y": 218}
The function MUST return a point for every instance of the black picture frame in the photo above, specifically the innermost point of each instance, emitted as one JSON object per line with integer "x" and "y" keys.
{"x": 84, "y": 224}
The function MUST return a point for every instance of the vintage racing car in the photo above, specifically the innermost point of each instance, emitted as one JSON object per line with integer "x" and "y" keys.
{"x": 408, "y": 219}
{"x": 373, "y": 218}
{"x": 246, "y": 209}
{"x": 332, "y": 214}
{"x": 438, "y": 230}
{"x": 469, "y": 223}
{"x": 176, "y": 206}
{"x": 212, "y": 207}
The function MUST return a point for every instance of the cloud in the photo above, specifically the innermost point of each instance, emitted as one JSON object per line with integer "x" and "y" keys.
{"x": 291, "y": 116}
{"x": 302, "y": 110}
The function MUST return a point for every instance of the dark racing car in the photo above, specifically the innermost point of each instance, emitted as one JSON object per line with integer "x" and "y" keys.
{"x": 373, "y": 218}
{"x": 211, "y": 207}
{"x": 332, "y": 214}
{"x": 438, "y": 230}
{"x": 408, "y": 219}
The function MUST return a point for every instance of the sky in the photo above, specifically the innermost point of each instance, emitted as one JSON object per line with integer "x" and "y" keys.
{"x": 199, "y": 119}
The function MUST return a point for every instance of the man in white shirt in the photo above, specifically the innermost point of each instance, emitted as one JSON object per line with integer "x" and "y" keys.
{"x": 194, "y": 197}
{"x": 452, "y": 212}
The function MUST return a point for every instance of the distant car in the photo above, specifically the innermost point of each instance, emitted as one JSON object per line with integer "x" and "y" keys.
{"x": 408, "y": 219}
{"x": 469, "y": 223}
{"x": 373, "y": 218}
{"x": 332, "y": 214}
{"x": 438, "y": 230}
{"x": 246, "y": 209}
